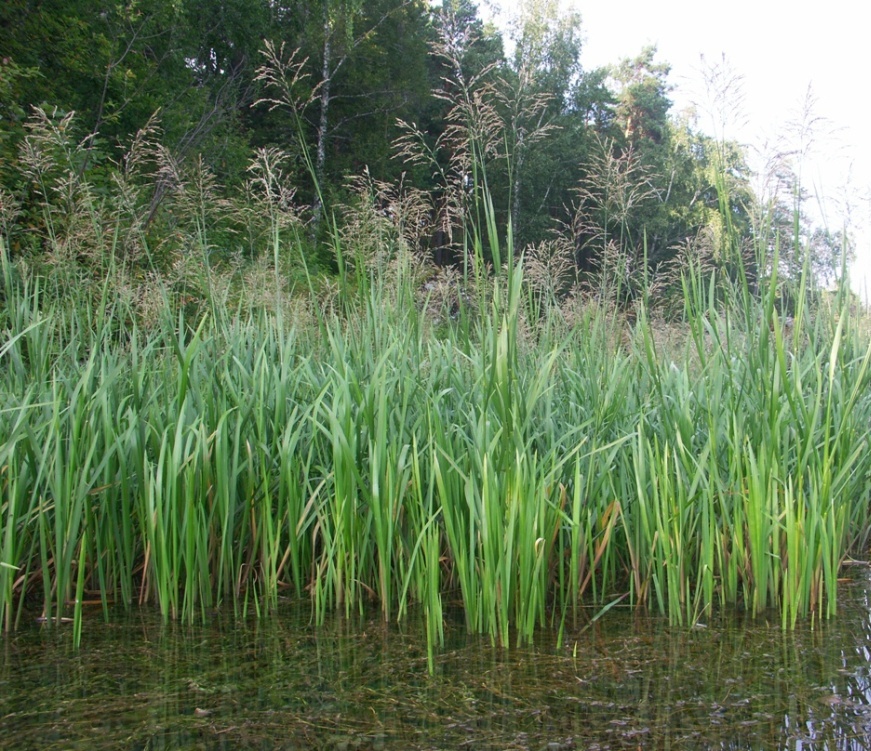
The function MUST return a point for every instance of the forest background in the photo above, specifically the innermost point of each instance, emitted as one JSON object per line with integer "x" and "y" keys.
{"x": 172, "y": 126}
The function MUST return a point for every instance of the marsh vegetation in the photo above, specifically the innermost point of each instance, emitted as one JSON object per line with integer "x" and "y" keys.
{"x": 335, "y": 413}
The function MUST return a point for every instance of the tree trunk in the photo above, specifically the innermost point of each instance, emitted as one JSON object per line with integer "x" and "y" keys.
{"x": 321, "y": 153}
{"x": 515, "y": 188}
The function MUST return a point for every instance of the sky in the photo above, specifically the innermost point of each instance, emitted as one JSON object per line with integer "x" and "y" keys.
{"x": 781, "y": 53}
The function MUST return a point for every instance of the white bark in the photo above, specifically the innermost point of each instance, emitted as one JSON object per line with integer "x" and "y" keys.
{"x": 323, "y": 124}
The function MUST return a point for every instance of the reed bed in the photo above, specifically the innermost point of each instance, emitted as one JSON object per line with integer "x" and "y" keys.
{"x": 388, "y": 456}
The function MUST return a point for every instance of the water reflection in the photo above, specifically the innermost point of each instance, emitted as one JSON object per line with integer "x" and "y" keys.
{"x": 626, "y": 682}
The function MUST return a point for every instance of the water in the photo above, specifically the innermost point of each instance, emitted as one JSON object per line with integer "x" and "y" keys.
{"x": 625, "y": 682}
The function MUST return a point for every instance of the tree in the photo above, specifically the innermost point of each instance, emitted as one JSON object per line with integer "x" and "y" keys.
{"x": 222, "y": 39}
{"x": 111, "y": 63}
{"x": 537, "y": 89}
{"x": 643, "y": 99}
{"x": 461, "y": 135}
{"x": 116, "y": 64}
{"x": 369, "y": 54}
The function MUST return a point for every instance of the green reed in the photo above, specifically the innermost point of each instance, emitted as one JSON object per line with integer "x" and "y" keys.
{"x": 386, "y": 456}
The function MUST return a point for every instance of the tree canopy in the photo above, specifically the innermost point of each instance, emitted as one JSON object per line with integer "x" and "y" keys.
{"x": 398, "y": 90}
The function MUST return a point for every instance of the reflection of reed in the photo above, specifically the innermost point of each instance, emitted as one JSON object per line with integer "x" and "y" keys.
{"x": 623, "y": 682}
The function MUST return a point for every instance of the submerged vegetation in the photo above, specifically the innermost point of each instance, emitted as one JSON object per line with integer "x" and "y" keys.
{"x": 328, "y": 413}
{"x": 357, "y": 683}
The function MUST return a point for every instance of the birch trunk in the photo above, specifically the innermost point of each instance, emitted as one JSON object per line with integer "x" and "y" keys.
{"x": 323, "y": 123}
{"x": 515, "y": 188}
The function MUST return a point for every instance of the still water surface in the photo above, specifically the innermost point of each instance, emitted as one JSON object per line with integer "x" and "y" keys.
{"x": 624, "y": 682}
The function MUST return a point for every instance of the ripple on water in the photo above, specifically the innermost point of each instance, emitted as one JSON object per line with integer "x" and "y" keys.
{"x": 625, "y": 682}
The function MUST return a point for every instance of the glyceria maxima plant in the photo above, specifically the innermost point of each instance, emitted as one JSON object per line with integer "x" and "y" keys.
{"x": 524, "y": 477}
{"x": 530, "y": 458}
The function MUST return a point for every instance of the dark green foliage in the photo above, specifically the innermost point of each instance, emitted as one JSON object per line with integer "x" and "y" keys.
{"x": 596, "y": 155}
